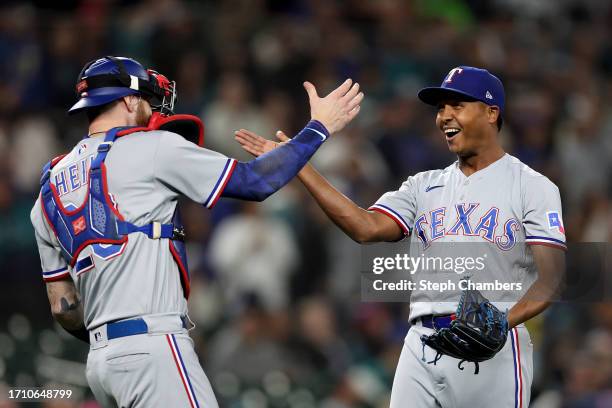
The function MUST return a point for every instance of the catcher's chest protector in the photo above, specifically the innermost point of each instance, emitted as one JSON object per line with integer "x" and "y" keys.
{"x": 97, "y": 220}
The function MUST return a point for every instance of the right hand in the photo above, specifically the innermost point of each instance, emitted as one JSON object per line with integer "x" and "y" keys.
{"x": 257, "y": 145}
{"x": 338, "y": 108}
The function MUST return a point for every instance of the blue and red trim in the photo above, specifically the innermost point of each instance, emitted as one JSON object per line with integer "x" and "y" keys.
{"x": 83, "y": 265}
{"x": 184, "y": 274}
{"x": 518, "y": 371}
{"x": 546, "y": 241}
{"x": 217, "y": 190}
{"x": 180, "y": 366}
{"x": 56, "y": 274}
{"x": 389, "y": 212}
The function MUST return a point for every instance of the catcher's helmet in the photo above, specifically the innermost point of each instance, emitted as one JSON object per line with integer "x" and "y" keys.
{"x": 110, "y": 78}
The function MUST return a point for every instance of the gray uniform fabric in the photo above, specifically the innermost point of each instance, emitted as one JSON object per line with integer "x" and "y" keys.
{"x": 495, "y": 213}
{"x": 146, "y": 172}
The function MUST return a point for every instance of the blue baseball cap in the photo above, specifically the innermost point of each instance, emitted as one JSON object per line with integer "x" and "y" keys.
{"x": 467, "y": 82}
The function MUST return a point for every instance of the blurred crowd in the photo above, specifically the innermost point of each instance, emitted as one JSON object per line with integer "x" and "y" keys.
{"x": 276, "y": 289}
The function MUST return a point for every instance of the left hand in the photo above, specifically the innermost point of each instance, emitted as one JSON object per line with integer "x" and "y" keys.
{"x": 257, "y": 145}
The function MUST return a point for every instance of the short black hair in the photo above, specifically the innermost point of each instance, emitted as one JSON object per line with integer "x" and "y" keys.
{"x": 95, "y": 111}
{"x": 500, "y": 122}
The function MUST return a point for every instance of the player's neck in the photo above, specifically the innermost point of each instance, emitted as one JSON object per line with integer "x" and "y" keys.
{"x": 104, "y": 123}
{"x": 472, "y": 164}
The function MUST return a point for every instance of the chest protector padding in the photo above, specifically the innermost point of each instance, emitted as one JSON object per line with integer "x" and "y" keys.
{"x": 97, "y": 220}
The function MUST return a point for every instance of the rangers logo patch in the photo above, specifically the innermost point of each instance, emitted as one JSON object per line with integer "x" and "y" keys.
{"x": 554, "y": 221}
{"x": 79, "y": 225}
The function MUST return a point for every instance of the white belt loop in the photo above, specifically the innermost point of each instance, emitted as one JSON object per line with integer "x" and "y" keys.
{"x": 157, "y": 230}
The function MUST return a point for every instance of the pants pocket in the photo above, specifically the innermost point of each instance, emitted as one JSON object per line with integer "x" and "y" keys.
{"x": 127, "y": 358}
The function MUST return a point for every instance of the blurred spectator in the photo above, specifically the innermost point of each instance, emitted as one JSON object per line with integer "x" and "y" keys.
{"x": 254, "y": 254}
{"x": 233, "y": 109}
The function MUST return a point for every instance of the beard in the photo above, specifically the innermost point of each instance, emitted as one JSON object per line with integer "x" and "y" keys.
{"x": 143, "y": 113}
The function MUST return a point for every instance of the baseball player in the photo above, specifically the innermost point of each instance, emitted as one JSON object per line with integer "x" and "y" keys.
{"x": 109, "y": 235}
{"x": 486, "y": 198}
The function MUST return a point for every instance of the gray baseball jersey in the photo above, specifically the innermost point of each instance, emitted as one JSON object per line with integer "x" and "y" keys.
{"x": 146, "y": 172}
{"x": 490, "y": 214}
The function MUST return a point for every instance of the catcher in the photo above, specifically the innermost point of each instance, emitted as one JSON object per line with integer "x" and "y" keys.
{"x": 110, "y": 237}
{"x": 492, "y": 201}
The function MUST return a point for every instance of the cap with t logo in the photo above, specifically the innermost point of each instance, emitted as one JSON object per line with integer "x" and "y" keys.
{"x": 475, "y": 84}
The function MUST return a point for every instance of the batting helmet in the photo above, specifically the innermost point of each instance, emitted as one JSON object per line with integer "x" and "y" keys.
{"x": 110, "y": 78}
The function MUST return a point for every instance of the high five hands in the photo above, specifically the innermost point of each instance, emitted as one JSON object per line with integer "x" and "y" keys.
{"x": 334, "y": 111}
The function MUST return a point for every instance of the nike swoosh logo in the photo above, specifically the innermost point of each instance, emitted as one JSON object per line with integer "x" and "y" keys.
{"x": 428, "y": 189}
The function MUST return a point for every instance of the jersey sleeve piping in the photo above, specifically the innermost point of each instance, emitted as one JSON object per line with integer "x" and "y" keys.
{"x": 546, "y": 241}
{"x": 217, "y": 190}
{"x": 56, "y": 274}
{"x": 389, "y": 212}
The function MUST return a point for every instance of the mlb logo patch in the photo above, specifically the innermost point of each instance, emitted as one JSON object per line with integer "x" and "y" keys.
{"x": 79, "y": 225}
{"x": 555, "y": 222}
{"x": 82, "y": 148}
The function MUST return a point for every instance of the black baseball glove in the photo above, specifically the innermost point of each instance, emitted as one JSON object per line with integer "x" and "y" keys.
{"x": 477, "y": 333}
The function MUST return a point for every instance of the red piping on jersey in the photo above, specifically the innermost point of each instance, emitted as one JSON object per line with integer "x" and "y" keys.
{"x": 179, "y": 371}
{"x": 548, "y": 244}
{"x": 220, "y": 192}
{"x": 56, "y": 278}
{"x": 386, "y": 213}
{"x": 520, "y": 369}
{"x": 184, "y": 276}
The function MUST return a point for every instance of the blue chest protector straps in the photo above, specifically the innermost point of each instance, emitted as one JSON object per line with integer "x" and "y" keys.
{"x": 97, "y": 220}
{"x": 259, "y": 178}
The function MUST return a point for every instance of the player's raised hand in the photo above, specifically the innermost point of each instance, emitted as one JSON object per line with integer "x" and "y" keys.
{"x": 257, "y": 145}
{"x": 336, "y": 109}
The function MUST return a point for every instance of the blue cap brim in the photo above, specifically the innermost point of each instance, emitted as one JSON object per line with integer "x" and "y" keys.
{"x": 434, "y": 95}
{"x": 100, "y": 96}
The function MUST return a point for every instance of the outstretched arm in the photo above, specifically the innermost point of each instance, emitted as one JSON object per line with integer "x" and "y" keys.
{"x": 359, "y": 224}
{"x": 259, "y": 178}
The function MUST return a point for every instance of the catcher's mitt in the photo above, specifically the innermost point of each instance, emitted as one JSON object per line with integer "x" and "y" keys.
{"x": 477, "y": 333}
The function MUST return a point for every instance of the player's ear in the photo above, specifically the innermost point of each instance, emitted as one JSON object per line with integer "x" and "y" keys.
{"x": 492, "y": 114}
{"x": 131, "y": 102}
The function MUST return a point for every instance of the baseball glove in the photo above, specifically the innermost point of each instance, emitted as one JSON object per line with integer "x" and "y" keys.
{"x": 477, "y": 333}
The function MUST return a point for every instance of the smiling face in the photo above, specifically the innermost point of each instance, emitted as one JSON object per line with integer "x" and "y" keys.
{"x": 468, "y": 126}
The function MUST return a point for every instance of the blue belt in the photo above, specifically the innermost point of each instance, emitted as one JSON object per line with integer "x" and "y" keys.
{"x": 437, "y": 322}
{"x": 130, "y": 327}
{"x": 126, "y": 328}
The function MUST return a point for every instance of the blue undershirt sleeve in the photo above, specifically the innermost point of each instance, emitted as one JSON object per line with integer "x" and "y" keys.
{"x": 258, "y": 179}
